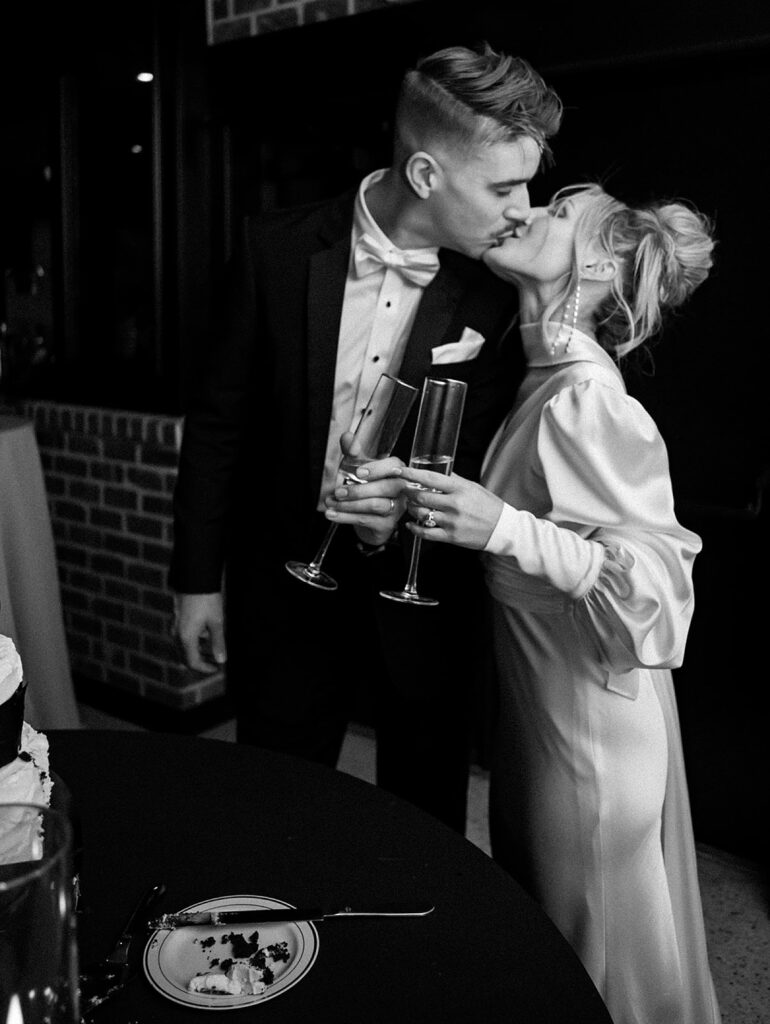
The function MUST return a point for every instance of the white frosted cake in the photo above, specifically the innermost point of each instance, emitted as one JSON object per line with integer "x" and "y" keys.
{"x": 24, "y": 772}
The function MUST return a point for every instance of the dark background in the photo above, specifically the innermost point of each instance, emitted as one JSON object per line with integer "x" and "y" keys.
{"x": 661, "y": 100}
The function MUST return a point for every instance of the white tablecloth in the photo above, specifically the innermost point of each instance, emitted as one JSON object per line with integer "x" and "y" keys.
{"x": 30, "y": 601}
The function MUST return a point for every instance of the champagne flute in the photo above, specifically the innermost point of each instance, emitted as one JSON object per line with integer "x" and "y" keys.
{"x": 375, "y": 436}
{"x": 433, "y": 448}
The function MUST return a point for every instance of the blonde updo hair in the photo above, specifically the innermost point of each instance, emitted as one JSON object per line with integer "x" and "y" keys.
{"x": 663, "y": 252}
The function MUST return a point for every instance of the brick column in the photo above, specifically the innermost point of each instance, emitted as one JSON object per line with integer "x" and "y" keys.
{"x": 236, "y": 19}
{"x": 110, "y": 477}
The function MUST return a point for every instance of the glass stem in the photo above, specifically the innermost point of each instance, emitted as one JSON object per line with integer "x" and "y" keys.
{"x": 411, "y": 583}
{"x": 315, "y": 566}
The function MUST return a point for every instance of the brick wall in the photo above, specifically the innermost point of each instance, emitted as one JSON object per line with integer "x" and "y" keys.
{"x": 235, "y": 19}
{"x": 109, "y": 477}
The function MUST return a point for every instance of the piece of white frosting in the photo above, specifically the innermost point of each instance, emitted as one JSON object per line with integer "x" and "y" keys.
{"x": 240, "y": 980}
{"x": 25, "y": 780}
{"x": 10, "y": 669}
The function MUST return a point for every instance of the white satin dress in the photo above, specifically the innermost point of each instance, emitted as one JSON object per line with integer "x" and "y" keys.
{"x": 590, "y": 575}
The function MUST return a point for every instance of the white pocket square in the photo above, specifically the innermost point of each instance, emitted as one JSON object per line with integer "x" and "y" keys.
{"x": 468, "y": 347}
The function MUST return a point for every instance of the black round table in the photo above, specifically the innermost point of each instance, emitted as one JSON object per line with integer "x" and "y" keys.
{"x": 212, "y": 819}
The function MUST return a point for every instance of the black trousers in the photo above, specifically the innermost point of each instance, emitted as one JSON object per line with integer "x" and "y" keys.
{"x": 303, "y": 662}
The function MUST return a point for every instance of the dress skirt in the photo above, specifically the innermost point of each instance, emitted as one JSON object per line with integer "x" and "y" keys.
{"x": 589, "y": 810}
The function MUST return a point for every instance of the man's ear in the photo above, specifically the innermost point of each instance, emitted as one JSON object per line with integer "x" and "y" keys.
{"x": 599, "y": 268}
{"x": 421, "y": 173}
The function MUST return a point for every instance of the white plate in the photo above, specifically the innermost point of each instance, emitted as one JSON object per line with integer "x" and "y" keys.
{"x": 172, "y": 958}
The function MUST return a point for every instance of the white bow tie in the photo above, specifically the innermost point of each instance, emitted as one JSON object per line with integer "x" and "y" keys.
{"x": 413, "y": 265}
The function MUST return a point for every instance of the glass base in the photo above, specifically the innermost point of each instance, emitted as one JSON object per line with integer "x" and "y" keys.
{"x": 313, "y": 577}
{"x": 408, "y": 597}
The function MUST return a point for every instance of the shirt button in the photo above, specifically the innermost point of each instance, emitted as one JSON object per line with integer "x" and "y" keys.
{"x": 388, "y": 304}
{"x": 375, "y": 359}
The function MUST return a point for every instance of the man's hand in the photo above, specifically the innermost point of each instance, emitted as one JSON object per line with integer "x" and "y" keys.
{"x": 373, "y": 508}
{"x": 199, "y": 627}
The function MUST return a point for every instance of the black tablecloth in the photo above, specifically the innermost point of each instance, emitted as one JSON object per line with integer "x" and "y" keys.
{"x": 213, "y": 819}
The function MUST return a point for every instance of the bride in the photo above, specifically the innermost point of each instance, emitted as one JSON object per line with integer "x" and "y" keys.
{"x": 590, "y": 577}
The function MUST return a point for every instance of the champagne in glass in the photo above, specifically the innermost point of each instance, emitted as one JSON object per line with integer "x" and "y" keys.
{"x": 433, "y": 463}
{"x": 375, "y": 438}
{"x": 433, "y": 448}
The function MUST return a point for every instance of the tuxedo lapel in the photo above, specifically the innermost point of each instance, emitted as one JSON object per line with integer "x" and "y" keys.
{"x": 434, "y": 316}
{"x": 326, "y": 289}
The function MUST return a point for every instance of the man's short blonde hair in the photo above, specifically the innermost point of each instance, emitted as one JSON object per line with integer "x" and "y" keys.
{"x": 469, "y": 99}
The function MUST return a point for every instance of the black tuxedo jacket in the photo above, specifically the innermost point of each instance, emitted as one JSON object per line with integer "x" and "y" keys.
{"x": 256, "y": 429}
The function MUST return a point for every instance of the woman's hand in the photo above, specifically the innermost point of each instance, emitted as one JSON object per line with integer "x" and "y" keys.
{"x": 464, "y": 513}
{"x": 373, "y": 508}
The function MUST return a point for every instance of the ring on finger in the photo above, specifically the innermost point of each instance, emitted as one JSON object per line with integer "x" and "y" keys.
{"x": 392, "y": 507}
{"x": 430, "y": 520}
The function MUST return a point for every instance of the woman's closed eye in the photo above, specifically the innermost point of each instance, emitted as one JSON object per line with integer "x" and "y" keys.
{"x": 560, "y": 209}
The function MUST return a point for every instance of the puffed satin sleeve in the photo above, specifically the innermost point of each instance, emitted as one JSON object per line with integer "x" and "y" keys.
{"x": 611, "y": 542}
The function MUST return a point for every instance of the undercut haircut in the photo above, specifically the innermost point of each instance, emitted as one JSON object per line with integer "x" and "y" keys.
{"x": 473, "y": 98}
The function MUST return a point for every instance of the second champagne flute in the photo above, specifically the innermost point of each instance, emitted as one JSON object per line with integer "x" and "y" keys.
{"x": 433, "y": 448}
{"x": 376, "y": 435}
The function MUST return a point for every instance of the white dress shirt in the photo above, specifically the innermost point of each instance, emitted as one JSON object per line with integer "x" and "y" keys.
{"x": 377, "y": 315}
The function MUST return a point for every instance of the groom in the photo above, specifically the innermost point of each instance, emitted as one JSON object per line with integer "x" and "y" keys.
{"x": 321, "y": 301}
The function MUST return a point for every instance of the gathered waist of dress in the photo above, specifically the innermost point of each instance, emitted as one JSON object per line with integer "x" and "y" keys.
{"x": 509, "y": 585}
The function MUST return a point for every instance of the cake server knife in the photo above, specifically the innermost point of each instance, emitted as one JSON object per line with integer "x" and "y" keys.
{"x": 260, "y": 916}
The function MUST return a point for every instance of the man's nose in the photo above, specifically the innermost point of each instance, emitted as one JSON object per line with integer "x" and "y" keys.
{"x": 518, "y": 209}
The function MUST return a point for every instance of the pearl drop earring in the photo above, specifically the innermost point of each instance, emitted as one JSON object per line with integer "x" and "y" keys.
{"x": 574, "y": 316}
{"x": 573, "y": 326}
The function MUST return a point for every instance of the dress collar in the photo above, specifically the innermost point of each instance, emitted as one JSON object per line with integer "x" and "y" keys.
{"x": 560, "y": 343}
